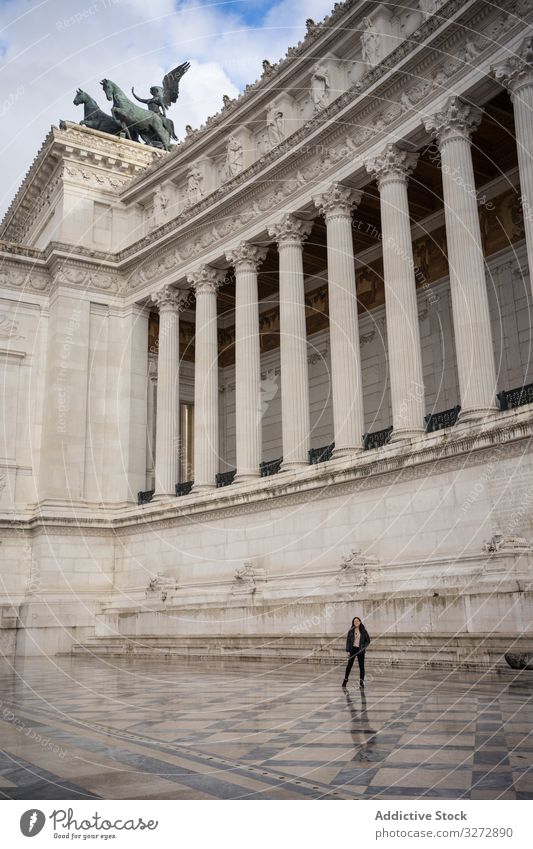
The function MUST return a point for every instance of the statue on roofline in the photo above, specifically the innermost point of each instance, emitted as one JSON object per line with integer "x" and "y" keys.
{"x": 163, "y": 96}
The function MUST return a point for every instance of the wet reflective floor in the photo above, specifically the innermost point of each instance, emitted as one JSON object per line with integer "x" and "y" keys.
{"x": 149, "y": 729}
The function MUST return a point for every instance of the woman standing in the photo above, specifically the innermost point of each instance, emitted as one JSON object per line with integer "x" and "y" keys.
{"x": 357, "y": 641}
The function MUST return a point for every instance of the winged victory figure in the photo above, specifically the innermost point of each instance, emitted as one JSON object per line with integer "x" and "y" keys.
{"x": 165, "y": 95}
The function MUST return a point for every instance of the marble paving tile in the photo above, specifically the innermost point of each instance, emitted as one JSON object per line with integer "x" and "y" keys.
{"x": 231, "y": 730}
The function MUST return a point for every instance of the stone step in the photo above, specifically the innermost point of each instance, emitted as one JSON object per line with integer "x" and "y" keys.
{"x": 438, "y": 651}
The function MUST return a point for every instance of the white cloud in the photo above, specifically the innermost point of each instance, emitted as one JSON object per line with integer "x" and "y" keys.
{"x": 51, "y": 47}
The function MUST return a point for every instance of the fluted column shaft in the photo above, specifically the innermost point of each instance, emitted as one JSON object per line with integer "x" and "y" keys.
{"x": 205, "y": 284}
{"x": 295, "y": 422}
{"x": 246, "y": 260}
{"x": 516, "y": 74}
{"x": 346, "y": 380}
{"x": 170, "y": 302}
{"x": 453, "y": 128}
{"x": 391, "y": 170}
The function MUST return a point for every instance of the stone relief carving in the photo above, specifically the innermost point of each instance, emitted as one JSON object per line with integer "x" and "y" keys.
{"x": 499, "y": 542}
{"x": 95, "y": 178}
{"x": 234, "y": 158}
{"x": 9, "y": 327}
{"x": 161, "y": 587}
{"x": 429, "y": 7}
{"x": 355, "y": 568}
{"x": 89, "y": 278}
{"x": 372, "y": 43}
{"x": 248, "y": 579}
{"x": 15, "y": 276}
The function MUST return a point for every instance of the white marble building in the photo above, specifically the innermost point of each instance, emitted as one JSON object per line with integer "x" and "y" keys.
{"x": 193, "y": 316}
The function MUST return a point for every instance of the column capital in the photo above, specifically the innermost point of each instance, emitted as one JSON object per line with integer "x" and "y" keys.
{"x": 246, "y": 255}
{"x": 338, "y": 200}
{"x": 516, "y": 71}
{"x": 392, "y": 166}
{"x": 206, "y": 280}
{"x": 169, "y": 298}
{"x": 290, "y": 231}
{"x": 458, "y": 120}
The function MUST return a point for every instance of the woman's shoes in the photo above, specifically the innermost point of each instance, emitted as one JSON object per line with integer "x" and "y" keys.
{"x": 344, "y": 683}
{"x": 362, "y": 685}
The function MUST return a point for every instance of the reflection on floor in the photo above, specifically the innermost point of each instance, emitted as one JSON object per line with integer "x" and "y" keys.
{"x": 141, "y": 729}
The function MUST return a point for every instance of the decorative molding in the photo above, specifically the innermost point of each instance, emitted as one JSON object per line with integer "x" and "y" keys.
{"x": 88, "y": 278}
{"x": 97, "y": 179}
{"x": 22, "y": 277}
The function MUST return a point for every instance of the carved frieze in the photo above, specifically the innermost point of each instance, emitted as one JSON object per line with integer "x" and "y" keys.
{"x": 22, "y": 277}
{"x": 87, "y": 277}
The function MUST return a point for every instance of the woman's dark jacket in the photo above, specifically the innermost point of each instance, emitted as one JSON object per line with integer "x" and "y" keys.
{"x": 364, "y": 639}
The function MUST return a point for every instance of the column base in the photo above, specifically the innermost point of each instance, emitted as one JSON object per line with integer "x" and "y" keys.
{"x": 474, "y": 414}
{"x": 346, "y": 452}
{"x": 406, "y": 433}
{"x": 163, "y": 496}
{"x": 244, "y": 477}
{"x": 203, "y": 487}
{"x": 294, "y": 465}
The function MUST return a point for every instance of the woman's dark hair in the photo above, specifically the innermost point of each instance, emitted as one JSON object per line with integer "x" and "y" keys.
{"x": 361, "y": 626}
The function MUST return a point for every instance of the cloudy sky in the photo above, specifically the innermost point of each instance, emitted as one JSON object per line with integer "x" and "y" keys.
{"x": 48, "y": 48}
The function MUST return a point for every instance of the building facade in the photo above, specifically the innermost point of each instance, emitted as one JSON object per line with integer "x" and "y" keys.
{"x": 281, "y": 375}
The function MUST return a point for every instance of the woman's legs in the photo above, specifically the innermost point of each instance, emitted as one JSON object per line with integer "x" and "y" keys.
{"x": 361, "y": 660}
{"x": 348, "y": 668}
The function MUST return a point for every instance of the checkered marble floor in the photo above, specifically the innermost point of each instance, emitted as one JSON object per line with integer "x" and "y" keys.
{"x": 146, "y": 729}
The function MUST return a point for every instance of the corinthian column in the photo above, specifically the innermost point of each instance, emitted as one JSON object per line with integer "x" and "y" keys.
{"x": 289, "y": 235}
{"x": 346, "y": 383}
{"x": 246, "y": 260}
{"x": 205, "y": 283}
{"x": 392, "y": 169}
{"x": 453, "y": 128}
{"x": 170, "y": 302}
{"x": 516, "y": 74}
